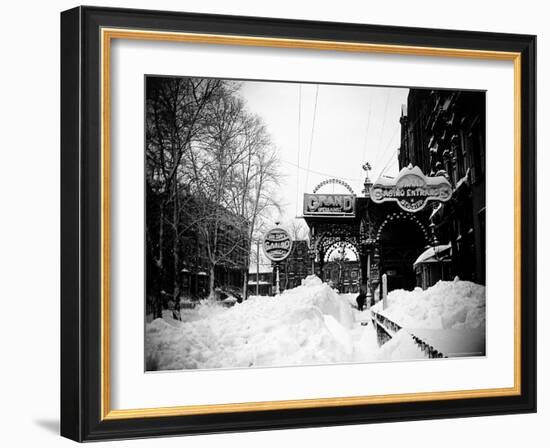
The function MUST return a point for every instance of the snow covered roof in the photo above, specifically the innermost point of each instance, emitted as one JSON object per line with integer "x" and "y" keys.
{"x": 433, "y": 254}
{"x": 414, "y": 170}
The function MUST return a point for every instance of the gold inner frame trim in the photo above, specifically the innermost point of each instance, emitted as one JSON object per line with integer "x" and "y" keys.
{"x": 107, "y": 35}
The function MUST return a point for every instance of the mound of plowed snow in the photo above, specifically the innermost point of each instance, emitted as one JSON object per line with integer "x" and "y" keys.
{"x": 447, "y": 304}
{"x": 309, "y": 324}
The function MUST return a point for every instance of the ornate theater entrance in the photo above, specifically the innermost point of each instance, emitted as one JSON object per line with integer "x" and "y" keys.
{"x": 388, "y": 227}
{"x": 401, "y": 239}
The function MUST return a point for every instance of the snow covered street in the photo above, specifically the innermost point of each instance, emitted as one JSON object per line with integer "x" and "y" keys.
{"x": 310, "y": 324}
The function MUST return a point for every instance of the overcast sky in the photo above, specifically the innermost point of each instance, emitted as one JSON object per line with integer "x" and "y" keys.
{"x": 352, "y": 124}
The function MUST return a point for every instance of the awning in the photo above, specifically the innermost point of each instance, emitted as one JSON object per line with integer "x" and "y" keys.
{"x": 434, "y": 254}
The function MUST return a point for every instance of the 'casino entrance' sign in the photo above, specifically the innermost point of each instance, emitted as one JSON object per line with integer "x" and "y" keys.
{"x": 411, "y": 189}
{"x": 277, "y": 244}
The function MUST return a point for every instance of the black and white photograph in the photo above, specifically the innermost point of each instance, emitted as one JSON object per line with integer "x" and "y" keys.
{"x": 275, "y": 224}
{"x": 295, "y": 224}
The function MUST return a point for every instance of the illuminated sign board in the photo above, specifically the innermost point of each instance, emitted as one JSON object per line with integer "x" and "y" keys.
{"x": 411, "y": 189}
{"x": 339, "y": 205}
{"x": 277, "y": 244}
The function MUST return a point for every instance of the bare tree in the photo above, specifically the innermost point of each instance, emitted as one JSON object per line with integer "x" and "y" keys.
{"x": 298, "y": 229}
{"x": 215, "y": 160}
{"x": 253, "y": 181}
{"x": 211, "y": 171}
{"x": 175, "y": 109}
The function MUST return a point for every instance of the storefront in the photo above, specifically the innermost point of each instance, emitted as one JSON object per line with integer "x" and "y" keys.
{"x": 388, "y": 227}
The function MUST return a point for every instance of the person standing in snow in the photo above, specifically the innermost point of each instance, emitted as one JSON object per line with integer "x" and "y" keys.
{"x": 361, "y": 299}
{"x": 176, "y": 313}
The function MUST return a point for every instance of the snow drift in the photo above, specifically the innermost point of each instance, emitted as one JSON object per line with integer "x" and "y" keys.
{"x": 309, "y": 324}
{"x": 312, "y": 324}
{"x": 446, "y": 305}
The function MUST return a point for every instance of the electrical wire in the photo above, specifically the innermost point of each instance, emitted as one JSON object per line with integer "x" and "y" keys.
{"x": 411, "y": 125}
{"x": 384, "y": 120}
{"x": 366, "y": 133}
{"x": 382, "y": 153}
{"x": 311, "y": 136}
{"x": 320, "y": 173}
{"x": 299, "y": 146}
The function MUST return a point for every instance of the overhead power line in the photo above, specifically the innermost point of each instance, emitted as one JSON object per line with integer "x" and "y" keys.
{"x": 398, "y": 147}
{"x": 384, "y": 120}
{"x": 312, "y": 134}
{"x": 299, "y": 146}
{"x": 320, "y": 173}
{"x": 363, "y": 159}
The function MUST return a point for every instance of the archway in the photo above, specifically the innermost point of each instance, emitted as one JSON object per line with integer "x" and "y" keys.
{"x": 339, "y": 262}
{"x": 401, "y": 239}
{"x": 349, "y": 248}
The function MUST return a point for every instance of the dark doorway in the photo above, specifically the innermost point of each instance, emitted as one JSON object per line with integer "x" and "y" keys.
{"x": 401, "y": 242}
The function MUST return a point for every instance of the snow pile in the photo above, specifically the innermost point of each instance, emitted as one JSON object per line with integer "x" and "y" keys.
{"x": 351, "y": 298}
{"x": 448, "y": 304}
{"x": 312, "y": 324}
{"x": 309, "y": 324}
{"x": 401, "y": 346}
{"x": 314, "y": 293}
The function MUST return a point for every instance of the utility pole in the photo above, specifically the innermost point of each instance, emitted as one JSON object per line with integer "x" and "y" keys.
{"x": 277, "y": 247}
{"x": 369, "y": 292}
{"x": 384, "y": 291}
{"x": 277, "y": 282}
{"x": 257, "y": 267}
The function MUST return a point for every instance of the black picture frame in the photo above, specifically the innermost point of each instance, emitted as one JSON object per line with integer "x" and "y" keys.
{"x": 81, "y": 225}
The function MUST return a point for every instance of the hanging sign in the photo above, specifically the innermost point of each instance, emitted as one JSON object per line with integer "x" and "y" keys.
{"x": 277, "y": 244}
{"x": 339, "y": 205}
{"x": 374, "y": 273}
{"x": 411, "y": 189}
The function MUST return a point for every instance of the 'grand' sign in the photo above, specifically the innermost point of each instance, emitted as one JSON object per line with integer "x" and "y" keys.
{"x": 329, "y": 204}
{"x": 411, "y": 189}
